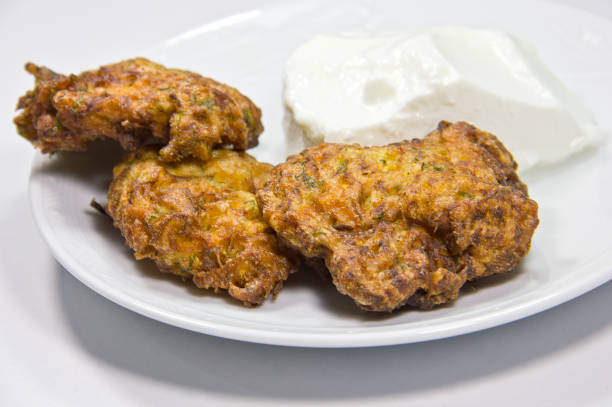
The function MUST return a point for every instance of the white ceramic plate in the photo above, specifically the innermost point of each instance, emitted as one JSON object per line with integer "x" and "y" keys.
{"x": 571, "y": 251}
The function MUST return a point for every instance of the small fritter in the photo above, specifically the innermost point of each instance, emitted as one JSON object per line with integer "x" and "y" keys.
{"x": 132, "y": 101}
{"x": 200, "y": 220}
{"x": 407, "y": 223}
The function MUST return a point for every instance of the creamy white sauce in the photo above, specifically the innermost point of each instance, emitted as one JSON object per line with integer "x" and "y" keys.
{"x": 378, "y": 88}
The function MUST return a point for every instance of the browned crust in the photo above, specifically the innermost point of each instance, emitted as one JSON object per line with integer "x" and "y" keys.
{"x": 201, "y": 221}
{"x": 132, "y": 101}
{"x": 405, "y": 223}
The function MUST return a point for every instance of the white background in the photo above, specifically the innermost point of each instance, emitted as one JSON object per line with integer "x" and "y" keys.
{"x": 62, "y": 344}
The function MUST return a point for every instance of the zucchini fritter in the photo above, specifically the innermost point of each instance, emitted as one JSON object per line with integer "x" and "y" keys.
{"x": 200, "y": 220}
{"x": 134, "y": 100}
{"x": 407, "y": 223}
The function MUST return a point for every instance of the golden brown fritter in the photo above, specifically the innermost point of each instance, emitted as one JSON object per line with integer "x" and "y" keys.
{"x": 200, "y": 220}
{"x": 407, "y": 223}
{"x": 131, "y": 101}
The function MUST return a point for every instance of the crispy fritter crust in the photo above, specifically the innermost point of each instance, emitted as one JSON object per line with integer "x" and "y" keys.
{"x": 131, "y": 101}
{"x": 407, "y": 223}
{"x": 200, "y": 220}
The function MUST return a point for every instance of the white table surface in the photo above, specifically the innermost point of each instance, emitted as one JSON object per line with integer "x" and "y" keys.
{"x": 61, "y": 344}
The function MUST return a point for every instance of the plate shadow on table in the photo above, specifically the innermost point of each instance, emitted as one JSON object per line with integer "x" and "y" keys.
{"x": 123, "y": 339}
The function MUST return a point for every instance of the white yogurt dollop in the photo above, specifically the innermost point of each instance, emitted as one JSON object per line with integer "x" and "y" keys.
{"x": 378, "y": 88}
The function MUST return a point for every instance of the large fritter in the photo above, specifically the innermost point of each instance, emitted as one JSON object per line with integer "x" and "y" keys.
{"x": 407, "y": 223}
{"x": 200, "y": 220}
{"x": 131, "y": 101}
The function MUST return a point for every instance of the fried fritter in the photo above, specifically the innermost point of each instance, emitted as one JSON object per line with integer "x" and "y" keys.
{"x": 407, "y": 223}
{"x": 200, "y": 220}
{"x": 132, "y": 101}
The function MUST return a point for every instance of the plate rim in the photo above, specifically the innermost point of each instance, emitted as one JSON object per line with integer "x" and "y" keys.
{"x": 345, "y": 339}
